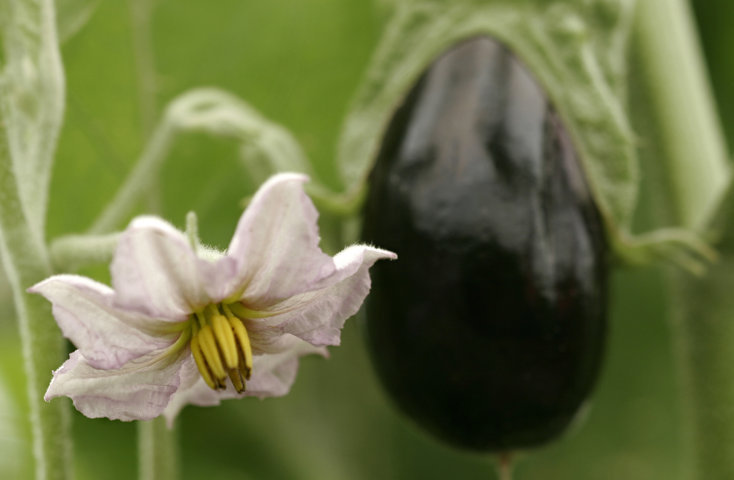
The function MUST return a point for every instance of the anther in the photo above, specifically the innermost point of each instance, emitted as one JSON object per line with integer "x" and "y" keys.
{"x": 221, "y": 347}
{"x": 211, "y": 352}
{"x": 243, "y": 343}
{"x": 237, "y": 381}
{"x": 201, "y": 363}
{"x": 225, "y": 340}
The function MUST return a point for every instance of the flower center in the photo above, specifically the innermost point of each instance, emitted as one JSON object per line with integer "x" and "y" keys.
{"x": 221, "y": 347}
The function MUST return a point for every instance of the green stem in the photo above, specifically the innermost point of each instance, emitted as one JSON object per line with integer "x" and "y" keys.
{"x": 140, "y": 15}
{"x": 504, "y": 466}
{"x": 214, "y": 112}
{"x": 157, "y": 451}
{"x": 31, "y": 111}
{"x": 680, "y": 96}
{"x": 70, "y": 252}
{"x": 26, "y": 262}
{"x": 695, "y": 173}
{"x": 141, "y": 180}
{"x": 344, "y": 204}
{"x": 140, "y": 18}
{"x": 704, "y": 321}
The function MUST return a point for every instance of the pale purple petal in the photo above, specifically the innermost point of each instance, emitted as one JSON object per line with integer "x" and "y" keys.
{"x": 107, "y": 336}
{"x": 198, "y": 394}
{"x": 272, "y": 376}
{"x": 276, "y": 244}
{"x": 128, "y": 367}
{"x": 156, "y": 271}
{"x": 318, "y": 316}
{"x": 192, "y": 386}
{"x": 140, "y": 390}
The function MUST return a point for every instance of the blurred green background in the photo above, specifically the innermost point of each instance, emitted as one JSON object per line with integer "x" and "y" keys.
{"x": 299, "y": 63}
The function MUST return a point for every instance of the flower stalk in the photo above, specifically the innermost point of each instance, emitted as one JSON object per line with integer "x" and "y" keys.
{"x": 158, "y": 451}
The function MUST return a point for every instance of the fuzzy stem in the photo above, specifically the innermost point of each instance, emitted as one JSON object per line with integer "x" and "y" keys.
{"x": 677, "y": 87}
{"x": 147, "y": 85}
{"x": 140, "y": 180}
{"x": 32, "y": 92}
{"x": 704, "y": 321}
{"x": 157, "y": 451}
{"x": 140, "y": 15}
{"x": 696, "y": 174}
{"x": 26, "y": 263}
{"x": 71, "y": 252}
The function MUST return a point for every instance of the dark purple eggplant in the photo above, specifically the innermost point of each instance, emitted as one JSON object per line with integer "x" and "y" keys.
{"x": 489, "y": 329}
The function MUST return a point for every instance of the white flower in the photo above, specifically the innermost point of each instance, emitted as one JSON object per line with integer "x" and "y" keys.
{"x": 181, "y": 327}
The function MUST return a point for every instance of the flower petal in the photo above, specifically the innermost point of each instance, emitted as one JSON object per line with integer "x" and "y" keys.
{"x": 318, "y": 316}
{"x": 272, "y": 376}
{"x": 276, "y": 244}
{"x": 140, "y": 390}
{"x": 156, "y": 271}
{"x": 105, "y": 335}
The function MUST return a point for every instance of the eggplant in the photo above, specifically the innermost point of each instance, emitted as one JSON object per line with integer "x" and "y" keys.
{"x": 489, "y": 329}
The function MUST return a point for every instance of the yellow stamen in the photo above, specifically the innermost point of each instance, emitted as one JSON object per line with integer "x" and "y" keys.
{"x": 225, "y": 340}
{"x": 221, "y": 346}
{"x": 201, "y": 363}
{"x": 237, "y": 381}
{"x": 243, "y": 340}
{"x": 211, "y": 352}
{"x": 200, "y": 320}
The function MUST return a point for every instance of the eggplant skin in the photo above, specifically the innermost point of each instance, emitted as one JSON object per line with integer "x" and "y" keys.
{"x": 489, "y": 329}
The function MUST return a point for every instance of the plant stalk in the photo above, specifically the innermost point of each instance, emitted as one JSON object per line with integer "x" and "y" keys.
{"x": 157, "y": 451}
{"x": 32, "y": 93}
{"x": 691, "y": 139}
{"x": 140, "y": 181}
{"x": 26, "y": 262}
{"x": 694, "y": 178}
{"x": 704, "y": 325}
